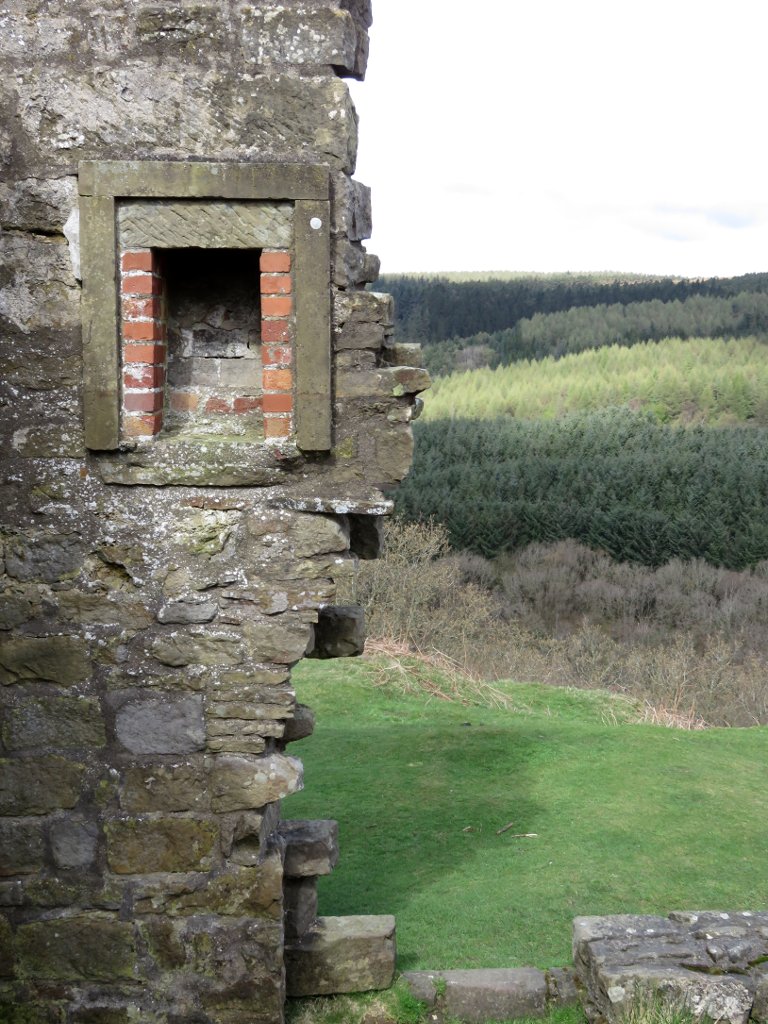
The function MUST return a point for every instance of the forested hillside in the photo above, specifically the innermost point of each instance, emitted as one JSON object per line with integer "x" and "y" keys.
{"x": 433, "y": 309}
{"x": 630, "y": 415}
{"x": 588, "y": 327}
{"x": 681, "y": 381}
{"x": 615, "y": 480}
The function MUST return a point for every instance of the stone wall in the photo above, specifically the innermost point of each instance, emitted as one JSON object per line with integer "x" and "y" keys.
{"x": 705, "y": 964}
{"x": 152, "y": 604}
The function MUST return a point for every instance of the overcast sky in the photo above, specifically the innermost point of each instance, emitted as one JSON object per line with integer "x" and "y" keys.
{"x": 567, "y": 135}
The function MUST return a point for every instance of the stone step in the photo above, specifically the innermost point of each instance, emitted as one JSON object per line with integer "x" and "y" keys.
{"x": 492, "y": 994}
{"x": 342, "y": 954}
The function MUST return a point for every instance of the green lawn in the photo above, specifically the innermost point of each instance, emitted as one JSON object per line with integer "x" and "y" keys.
{"x": 628, "y": 818}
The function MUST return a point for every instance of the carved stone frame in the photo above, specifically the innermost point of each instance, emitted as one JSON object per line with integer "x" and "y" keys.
{"x": 103, "y": 183}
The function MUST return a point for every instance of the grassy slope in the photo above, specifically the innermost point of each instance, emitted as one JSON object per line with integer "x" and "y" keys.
{"x": 629, "y": 818}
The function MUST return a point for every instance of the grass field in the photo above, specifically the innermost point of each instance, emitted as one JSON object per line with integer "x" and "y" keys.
{"x": 625, "y": 817}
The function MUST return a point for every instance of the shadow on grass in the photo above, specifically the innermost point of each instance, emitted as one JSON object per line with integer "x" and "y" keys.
{"x": 415, "y": 804}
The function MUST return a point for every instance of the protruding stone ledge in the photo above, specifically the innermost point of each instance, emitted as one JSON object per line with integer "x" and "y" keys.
{"x": 301, "y": 725}
{"x": 311, "y": 847}
{"x": 342, "y": 954}
{"x": 372, "y": 503}
{"x": 198, "y": 464}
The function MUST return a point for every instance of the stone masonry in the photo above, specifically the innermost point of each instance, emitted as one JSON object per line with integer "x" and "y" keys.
{"x": 714, "y": 964}
{"x": 201, "y": 406}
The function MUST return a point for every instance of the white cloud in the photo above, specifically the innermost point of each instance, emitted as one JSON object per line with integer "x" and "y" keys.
{"x": 509, "y": 134}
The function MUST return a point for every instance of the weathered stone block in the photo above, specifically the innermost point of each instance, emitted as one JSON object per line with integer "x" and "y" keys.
{"x": 55, "y": 659}
{"x": 109, "y": 1015}
{"x": 356, "y": 359}
{"x": 74, "y": 842}
{"x": 340, "y": 632}
{"x": 63, "y": 722}
{"x": 142, "y": 846}
{"x": 311, "y": 847}
{"x": 255, "y": 892}
{"x": 179, "y": 649}
{"x": 394, "y": 455}
{"x": 273, "y": 640}
{"x": 354, "y": 336}
{"x": 18, "y": 606}
{"x": 707, "y": 962}
{"x": 242, "y": 965}
{"x": 299, "y": 906}
{"x": 21, "y": 847}
{"x": 245, "y": 835}
{"x": 90, "y": 947}
{"x": 267, "y": 684}
{"x": 236, "y": 742}
{"x": 45, "y": 360}
{"x": 42, "y": 557}
{"x": 242, "y": 783}
{"x": 35, "y": 204}
{"x": 38, "y": 786}
{"x": 401, "y": 354}
{"x": 720, "y": 998}
{"x": 18, "y": 1005}
{"x": 6, "y": 949}
{"x": 161, "y": 725}
{"x": 760, "y": 1005}
{"x": 164, "y": 943}
{"x": 351, "y": 264}
{"x": 352, "y": 209}
{"x": 53, "y": 440}
{"x": 244, "y": 711}
{"x": 363, "y": 307}
{"x": 342, "y": 954}
{"x": 165, "y": 787}
{"x": 115, "y": 609}
{"x": 302, "y": 37}
{"x": 482, "y": 995}
{"x": 561, "y": 987}
{"x": 319, "y": 534}
{"x": 162, "y": 28}
{"x": 187, "y": 610}
{"x": 43, "y": 293}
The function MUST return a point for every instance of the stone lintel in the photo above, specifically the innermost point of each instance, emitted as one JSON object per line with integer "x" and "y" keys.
{"x": 203, "y": 180}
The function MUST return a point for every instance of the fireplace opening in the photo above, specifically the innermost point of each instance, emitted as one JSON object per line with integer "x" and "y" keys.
{"x": 214, "y": 368}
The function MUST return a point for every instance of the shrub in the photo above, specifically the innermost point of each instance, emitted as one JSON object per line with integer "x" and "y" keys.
{"x": 687, "y": 640}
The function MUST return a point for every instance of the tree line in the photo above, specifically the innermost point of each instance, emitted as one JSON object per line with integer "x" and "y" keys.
{"x": 581, "y": 328}
{"x": 433, "y": 309}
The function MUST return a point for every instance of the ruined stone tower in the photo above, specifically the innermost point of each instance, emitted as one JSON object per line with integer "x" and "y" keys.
{"x": 200, "y": 409}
